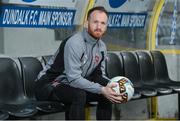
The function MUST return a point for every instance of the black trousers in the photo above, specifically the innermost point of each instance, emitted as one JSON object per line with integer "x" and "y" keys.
{"x": 76, "y": 99}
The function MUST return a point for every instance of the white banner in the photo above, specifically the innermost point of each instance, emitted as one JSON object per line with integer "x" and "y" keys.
{"x": 56, "y": 3}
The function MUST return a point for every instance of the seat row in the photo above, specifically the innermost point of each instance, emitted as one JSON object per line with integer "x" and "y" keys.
{"x": 146, "y": 69}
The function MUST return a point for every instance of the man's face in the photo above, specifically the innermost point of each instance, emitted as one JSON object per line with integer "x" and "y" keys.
{"x": 97, "y": 24}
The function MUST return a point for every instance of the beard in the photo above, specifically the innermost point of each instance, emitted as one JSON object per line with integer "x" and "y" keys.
{"x": 97, "y": 33}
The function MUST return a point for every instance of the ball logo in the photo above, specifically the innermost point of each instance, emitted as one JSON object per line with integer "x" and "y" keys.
{"x": 121, "y": 84}
{"x": 97, "y": 58}
{"x": 28, "y": 1}
{"x": 116, "y": 3}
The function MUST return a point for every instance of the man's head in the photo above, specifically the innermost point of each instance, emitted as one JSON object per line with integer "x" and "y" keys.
{"x": 97, "y": 20}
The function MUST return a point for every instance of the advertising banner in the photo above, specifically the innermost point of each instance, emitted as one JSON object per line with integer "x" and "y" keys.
{"x": 16, "y": 16}
{"x": 118, "y": 20}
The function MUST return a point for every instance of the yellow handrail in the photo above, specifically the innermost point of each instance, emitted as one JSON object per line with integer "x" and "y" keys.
{"x": 151, "y": 35}
{"x": 151, "y": 40}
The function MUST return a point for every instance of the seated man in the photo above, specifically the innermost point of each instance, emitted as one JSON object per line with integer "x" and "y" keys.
{"x": 75, "y": 74}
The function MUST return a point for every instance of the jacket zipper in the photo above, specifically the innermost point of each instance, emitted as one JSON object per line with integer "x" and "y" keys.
{"x": 91, "y": 59}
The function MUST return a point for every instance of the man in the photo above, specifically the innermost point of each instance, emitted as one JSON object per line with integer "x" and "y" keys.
{"x": 75, "y": 74}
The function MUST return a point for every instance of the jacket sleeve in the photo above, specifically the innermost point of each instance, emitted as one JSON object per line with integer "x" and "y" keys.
{"x": 72, "y": 64}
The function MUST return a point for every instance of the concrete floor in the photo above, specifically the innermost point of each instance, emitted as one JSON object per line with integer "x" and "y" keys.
{"x": 127, "y": 111}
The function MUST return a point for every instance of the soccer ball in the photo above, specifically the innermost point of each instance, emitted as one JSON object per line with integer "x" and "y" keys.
{"x": 124, "y": 87}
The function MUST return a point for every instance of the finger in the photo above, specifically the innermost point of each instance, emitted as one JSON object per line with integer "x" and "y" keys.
{"x": 113, "y": 84}
{"x": 116, "y": 99}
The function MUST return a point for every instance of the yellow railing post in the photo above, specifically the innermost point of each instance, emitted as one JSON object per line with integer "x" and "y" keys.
{"x": 151, "y": 40}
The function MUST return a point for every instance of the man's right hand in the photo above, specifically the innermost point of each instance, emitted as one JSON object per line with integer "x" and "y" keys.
{"x": 110, "y": 94}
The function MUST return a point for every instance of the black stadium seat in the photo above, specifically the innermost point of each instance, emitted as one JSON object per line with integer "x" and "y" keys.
{"x": 31, "y": 67}
{"x": 161, "y": 71}
{"x": 147, "y": 73}
{"x": 113, "y": 66}
{"x": 12, "y": 98}
{"x": 131, "y": 71}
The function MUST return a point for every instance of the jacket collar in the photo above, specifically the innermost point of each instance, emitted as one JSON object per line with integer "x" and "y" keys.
{"x": 89, "y": 38}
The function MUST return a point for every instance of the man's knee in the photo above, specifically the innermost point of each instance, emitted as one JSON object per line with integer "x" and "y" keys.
{"x": 104, "y": 102}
